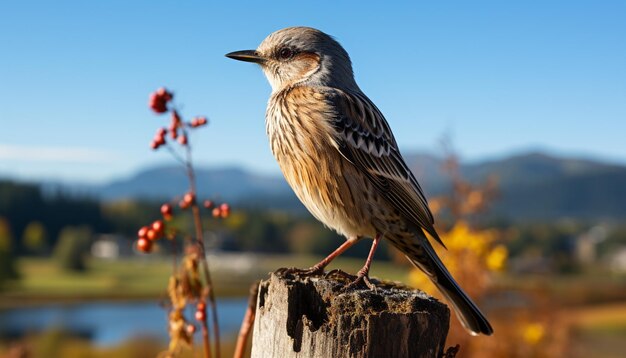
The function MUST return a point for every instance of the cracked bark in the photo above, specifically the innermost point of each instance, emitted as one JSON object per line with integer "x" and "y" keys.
{"x": 313, "y": 317}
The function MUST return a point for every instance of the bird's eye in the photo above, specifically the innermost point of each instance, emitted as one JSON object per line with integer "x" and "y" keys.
{"x": 285, "y": 53}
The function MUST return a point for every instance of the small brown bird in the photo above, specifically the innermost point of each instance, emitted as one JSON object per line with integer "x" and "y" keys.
{"x": 340, "y": 157}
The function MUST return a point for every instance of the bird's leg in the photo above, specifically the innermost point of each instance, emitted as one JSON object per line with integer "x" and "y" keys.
{"x": 318, "y": 268}
{"x": 362, "y": 276}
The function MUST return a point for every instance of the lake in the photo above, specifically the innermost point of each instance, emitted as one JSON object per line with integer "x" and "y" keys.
{"x": 107, "y": 323}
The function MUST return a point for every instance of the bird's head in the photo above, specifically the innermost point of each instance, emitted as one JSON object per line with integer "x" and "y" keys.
{"x": 298, "y": 55}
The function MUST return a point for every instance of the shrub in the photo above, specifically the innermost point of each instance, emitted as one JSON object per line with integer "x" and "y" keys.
{"x": 8, "y": 269}
{"x": 72, "y": 247}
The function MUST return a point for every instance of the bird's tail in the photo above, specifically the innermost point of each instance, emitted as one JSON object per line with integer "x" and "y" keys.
{"x": 470, "y": 316}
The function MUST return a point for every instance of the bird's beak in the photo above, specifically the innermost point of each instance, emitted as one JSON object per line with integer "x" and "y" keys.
{"x": 247, "y": 56}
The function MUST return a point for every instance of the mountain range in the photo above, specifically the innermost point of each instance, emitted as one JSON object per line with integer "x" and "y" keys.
{"x": 540, "y": 186}
{"x": 532, "y": 185}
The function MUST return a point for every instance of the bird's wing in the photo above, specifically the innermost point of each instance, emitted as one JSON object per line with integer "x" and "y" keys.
{"x": 365, "y": 139}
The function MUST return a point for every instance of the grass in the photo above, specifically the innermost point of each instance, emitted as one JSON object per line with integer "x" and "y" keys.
{"x": 570, "y": 290}
{"x": 43, "y": 280}
{"x": 599, "y": 331}
{"x": 146, "y": 277}
{"x": 57, "y": 343}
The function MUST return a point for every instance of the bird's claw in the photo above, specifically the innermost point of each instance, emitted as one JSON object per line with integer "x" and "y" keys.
{"x": 361, "y": 279}
{"x": 293, "y": 271}
{"x": 340, "y": 273}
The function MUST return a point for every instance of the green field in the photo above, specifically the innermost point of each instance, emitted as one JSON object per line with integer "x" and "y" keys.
{"x": 43, "y": 281}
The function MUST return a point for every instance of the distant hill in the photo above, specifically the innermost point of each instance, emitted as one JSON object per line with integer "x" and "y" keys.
{"x": 536, "y": 185}
{"x": 539, "y": 186}
{"x": 164, "y": 182}
{"x": 589, "y": 195}
{"x": 229, "y": 184}
{"x": 536, "y": 168}
{"x": 533, "y": 185}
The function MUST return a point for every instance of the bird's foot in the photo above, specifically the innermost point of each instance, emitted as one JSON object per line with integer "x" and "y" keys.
{"x": 316, "y": 270}
{"x": 360, "y": 280}
{"x": 341, "y": 274}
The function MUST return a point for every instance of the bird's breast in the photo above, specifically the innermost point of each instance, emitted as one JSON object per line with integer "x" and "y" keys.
{"x": 302, "y": 141}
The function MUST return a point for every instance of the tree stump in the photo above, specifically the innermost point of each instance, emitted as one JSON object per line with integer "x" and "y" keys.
{"x": 314, "y": 317}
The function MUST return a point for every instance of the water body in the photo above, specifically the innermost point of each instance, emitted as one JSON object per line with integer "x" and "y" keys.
{"x": 109, "y": 323}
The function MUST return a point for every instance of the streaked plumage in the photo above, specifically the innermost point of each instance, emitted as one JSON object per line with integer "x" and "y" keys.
{"x": 339, "y": 155}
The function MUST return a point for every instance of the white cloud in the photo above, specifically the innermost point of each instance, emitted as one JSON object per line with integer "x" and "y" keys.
{"x": 54, "y": 154}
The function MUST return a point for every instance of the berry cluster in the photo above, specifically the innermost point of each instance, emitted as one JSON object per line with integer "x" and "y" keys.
{"x": 166, "y": 211}
{"x": 190, "y": 281}
{"x": 147, "y": 235}
{"x": 221, "y": 211}
{"x": 198, "y": 122}
{"x": 158, "y": 102}
{"x": 188, "y": 200}
{"x": 200, "y": 312}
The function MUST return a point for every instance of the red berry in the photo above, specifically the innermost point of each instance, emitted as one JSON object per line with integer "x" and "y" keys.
{"x": 183, "y": 204}
{"x": 157, "y": 104}
{"x": 201, "y": 306}
{"x": 191, "y": 329}
{"x": 216, "y": 212}
{"x": 158, "y": 226}
{"x": 200, "y": 316}
{"x": 143, "y": 231}
{"x": 154, "y": 145}
{"x": 166, "y": 209}
{"x": 182, "y": 140}
{"x": 164, "y": 94}
{"x": 158, "y": 140}
{"x": 224, "y": 210}
{"x": 198, "y": 121}
{"x": 208, "y": 204}
{"x": 175, "y": 123}
{"x": 144, "y": 245}
{"x": 152, "y": 235}
{"x": 189, "y": 198}
{"x": 158, "y": 100}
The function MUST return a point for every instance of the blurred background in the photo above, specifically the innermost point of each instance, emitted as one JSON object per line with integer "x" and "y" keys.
{"x": 511, "y": 116}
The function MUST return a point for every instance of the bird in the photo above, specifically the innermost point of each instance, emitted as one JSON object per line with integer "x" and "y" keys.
{"x": 337, "y": 152}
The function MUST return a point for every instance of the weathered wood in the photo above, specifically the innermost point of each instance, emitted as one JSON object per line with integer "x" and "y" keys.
{"x": 313, "y": 317}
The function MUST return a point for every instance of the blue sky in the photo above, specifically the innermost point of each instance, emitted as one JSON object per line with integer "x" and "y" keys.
{"x": 501, "y": 77}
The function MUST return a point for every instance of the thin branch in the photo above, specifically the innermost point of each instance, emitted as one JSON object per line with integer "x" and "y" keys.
{"x": 206, "y": 340}
{"x": 248, "y": 321}
{"x": 175, "y": 154}
{"x": 200, "y": 242}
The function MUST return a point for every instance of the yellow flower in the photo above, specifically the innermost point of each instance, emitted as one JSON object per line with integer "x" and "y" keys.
{"x": 419, "y": 280}
{"x": 497, "y": 258}
{"x": 470, "y": 254}
{"x": 533, "y": 333}
{"x": 458, "y": 237}
{"x": 461, "y": 237}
